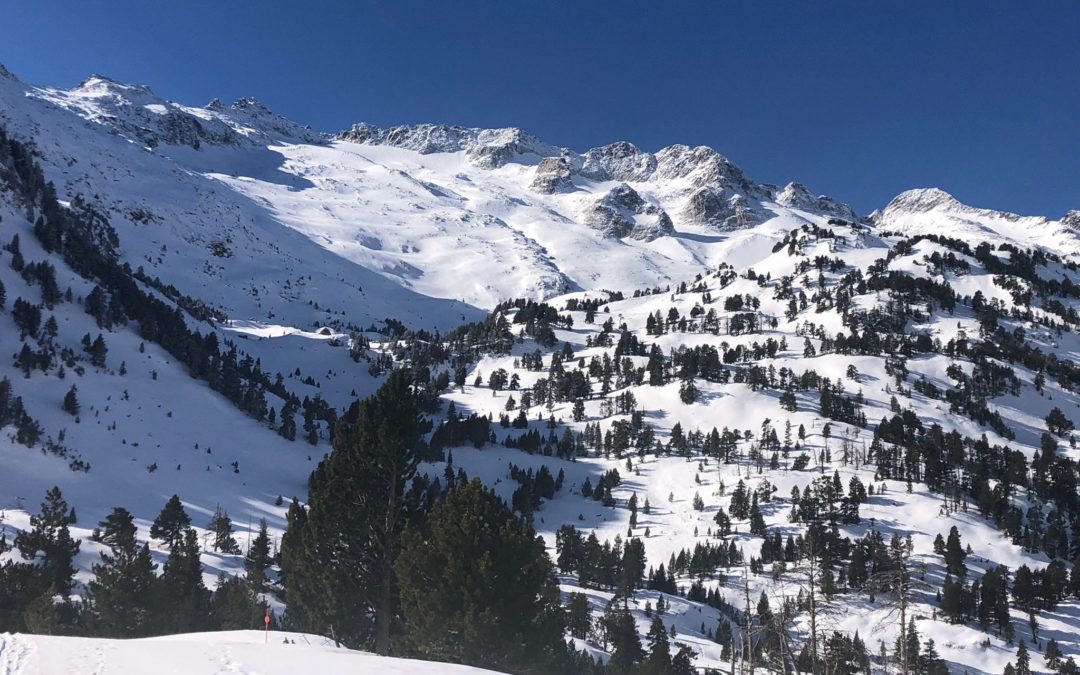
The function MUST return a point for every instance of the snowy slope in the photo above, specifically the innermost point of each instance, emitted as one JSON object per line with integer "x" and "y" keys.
{"x": 240, "y": 207}
{"x": 670, "y": 483}
{"x": 202, "y": 654}
{"x": 933, "y": 211}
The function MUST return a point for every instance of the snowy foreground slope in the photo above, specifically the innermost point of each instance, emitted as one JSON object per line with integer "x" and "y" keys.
{"x": 202, "y": 654}
{"x": 295, "y": 248}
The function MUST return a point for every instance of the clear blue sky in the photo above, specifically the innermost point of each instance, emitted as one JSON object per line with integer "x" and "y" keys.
{"x": 859, "y": 100}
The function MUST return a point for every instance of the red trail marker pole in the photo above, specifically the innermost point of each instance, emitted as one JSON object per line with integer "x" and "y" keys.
{"x": 266, "y": 623}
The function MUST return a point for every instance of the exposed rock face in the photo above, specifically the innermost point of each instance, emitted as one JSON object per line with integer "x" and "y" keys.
{"x": 1071, "y": 220}
{"x": 486, "y": 148}
{"x": 138, "y": 114}
{"x": 797, "y": 196}
{"x": 619, "y": 161}
{"x": 717, "y": 193}
{"x": 623, "y": 213}
{"x": 552, "y": 175}
{"x": 423, "y": 138}
{"x": 711, "y": 206}
{"x": 703, "y": 166}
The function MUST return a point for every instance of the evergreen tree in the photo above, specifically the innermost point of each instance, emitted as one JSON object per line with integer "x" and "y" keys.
{"x": 71, "y": 402}
{"x": 955, "y": 554}
{"x": 1053, "y": 654}
{"x": 930, "y": 662}
{"x": 257, "y": 561}
{"x": 185, "y": 599}
{"x": 478, "y": 587}
{"x": 344, "y": 557}
{"x": 757, "y": 522}
{"x": 620, "y": 634}
{"x": 171, "y": 524}
{"x": 121, "y": 593}
{"x": 740, "y": 502}
{"x": 1023, "y": 659}
{"x": 236, "y": 606}
{"x": 49, "y": 541}
{"x": 578, "y": 618}
{"x": 116, "y": 527}
{"x": 221, "y": 527}
{"x": 658, "y": 662}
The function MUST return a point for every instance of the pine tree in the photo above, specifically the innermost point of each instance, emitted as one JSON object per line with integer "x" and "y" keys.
{"x": 344, "y": 557}
{"x": 930, "y": 662}
{"x": 49, "y": 541}
{"x": 1053, "y": 654}
{"x": 955, "y": 554}
{"x": 257, "y": 561}
{"x": 620, "y": 633}
{"x": 185, "y": 599}
{"x": 478, "y": 588}
{"x": 71, "y": 401}
{"x": 116, "y": 527}
{"x": 121, "y": 593}
{"x": 578, "y": 412}
{"x": 236, "y": 606}
{"x": 740, "y": 502}
{"x": 171, "y": 524}
{"x": 221, "y": 527}
{"x": 757, "y": 522}
{"x": 658, "y": 661}
{"x": 1023, "y": 659}
{"x": 578, "y": 618}
{"x": 98, "y": 351}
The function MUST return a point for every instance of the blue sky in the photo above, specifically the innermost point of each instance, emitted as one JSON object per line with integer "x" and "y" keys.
{"x": 859, "y": 100}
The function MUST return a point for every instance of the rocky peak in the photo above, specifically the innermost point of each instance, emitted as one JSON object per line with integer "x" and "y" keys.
{"x": 100, "y": 85}
{"x": 922, "y": 200}
{"x": 796, "y": 196}
{"x": 721, "y": 209}
{"x": 250, "y": 105}
{"x": 703, "y": 166}
{"x": 487, "y": 148}
{"x": 552, "y": 175}
{"x": 622, "y": 212}
{"x": 619, "y": 161}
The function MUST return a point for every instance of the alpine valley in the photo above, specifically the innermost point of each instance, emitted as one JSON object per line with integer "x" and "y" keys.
{"x": 754, "y": 430}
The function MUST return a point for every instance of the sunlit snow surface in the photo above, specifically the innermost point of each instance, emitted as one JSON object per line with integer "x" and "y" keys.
{"x": 241, "y": 652}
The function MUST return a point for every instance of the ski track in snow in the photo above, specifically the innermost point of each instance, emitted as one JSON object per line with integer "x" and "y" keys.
{"x": 16, "y": 654}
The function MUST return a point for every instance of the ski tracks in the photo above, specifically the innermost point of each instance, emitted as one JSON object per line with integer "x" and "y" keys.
{"x": 16, "y": 653}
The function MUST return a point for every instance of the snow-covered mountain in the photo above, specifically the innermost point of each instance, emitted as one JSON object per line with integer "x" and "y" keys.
{"x": 449, "y": 213}
{"x": 290, "y": 250}
{"x": 934, "y": 211}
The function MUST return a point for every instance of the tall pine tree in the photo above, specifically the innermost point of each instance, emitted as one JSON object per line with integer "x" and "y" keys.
{"x": 343, "y": 558}
{"x": 479, "y": 588}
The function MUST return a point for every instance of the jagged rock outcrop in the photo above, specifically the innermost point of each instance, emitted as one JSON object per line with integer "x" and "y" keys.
{"x": 1071, "y": 220}
{"x": 620, "y": 161}
{"x": 136, "y": 112}
{"x": 486, "y": 148}
{"x": 796, "y": 196}
{"x": 702, "y": 166}
{"x": 553, "y": 175}
{"x": 710, "y": 206}
{"x": 622, "y": 212}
